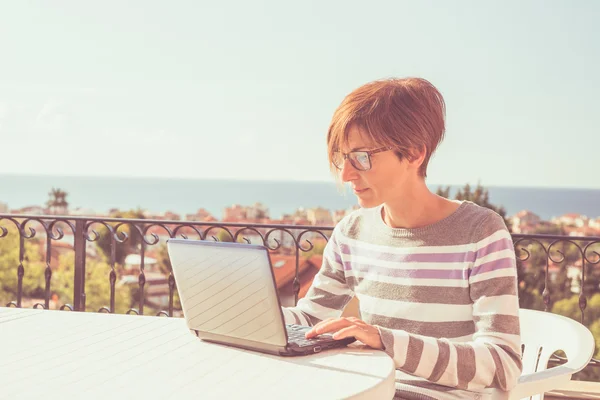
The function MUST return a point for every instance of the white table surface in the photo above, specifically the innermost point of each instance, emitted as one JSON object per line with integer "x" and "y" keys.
{"x": 66, "y": 355}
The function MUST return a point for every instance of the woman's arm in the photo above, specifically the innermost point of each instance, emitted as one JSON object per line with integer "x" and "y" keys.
{"x": 328, "y": 294}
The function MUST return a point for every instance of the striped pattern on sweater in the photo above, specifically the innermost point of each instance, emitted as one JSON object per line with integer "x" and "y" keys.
{"x": 444, "y": 298}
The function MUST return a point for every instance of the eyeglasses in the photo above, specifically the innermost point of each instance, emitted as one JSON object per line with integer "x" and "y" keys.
{"x": 361, "y": 160}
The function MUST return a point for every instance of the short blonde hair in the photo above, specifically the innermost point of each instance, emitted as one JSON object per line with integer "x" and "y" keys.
{"x": 403, "y": 114}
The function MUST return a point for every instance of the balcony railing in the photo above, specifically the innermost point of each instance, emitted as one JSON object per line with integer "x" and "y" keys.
{"x": 551, "y": 267}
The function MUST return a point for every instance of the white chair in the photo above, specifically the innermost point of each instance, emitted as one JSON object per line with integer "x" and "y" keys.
{"x": 543, "y": 334}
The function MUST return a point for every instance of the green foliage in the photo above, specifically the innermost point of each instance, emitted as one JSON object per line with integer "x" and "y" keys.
{"x": 532, "y": 282}
{"x": 224, "y": 236}
{"x": 318, "y": 248}
{"x": 97, "y": 285}
{"x": 479, "y": 196}
{"x": 592, "y": 280}
{"x": 595, "y": 329}
{"x": 532, "y": 272}
{"x": 33, "y": 280}
{"x": 530, "y": 297}
{"x": 122, "y": 250}
{"x": 163, "y": 260}
{"x": 569, "y": 307}
{"x": 164, "y": 265}
{"x": 444, "y": 192}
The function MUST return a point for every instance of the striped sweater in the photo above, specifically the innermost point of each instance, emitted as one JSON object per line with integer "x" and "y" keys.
{"x": 444, "y": 298}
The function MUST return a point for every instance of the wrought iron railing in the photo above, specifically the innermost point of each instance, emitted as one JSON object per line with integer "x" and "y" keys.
{"x": 539, "y": 256}
{"x": 296, "y": 238}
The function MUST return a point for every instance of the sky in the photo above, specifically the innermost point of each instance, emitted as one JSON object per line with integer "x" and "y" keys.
{"x": 246, "y": 89}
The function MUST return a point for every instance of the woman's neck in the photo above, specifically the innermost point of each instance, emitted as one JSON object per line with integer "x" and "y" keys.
{"x": 417, "y": 209}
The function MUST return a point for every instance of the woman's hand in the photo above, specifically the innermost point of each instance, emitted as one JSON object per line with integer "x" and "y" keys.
{"x": 346, "y": 327}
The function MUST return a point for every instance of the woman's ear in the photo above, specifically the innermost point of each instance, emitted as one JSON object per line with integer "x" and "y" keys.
{"x": 417, "y": 157}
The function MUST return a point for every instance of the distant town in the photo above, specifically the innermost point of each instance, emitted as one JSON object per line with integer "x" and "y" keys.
{"x": 256, "y": 214}
{"x": 572, "y": 224}
{"x": 283, "y": 259}
{"x": 525, "y": 221}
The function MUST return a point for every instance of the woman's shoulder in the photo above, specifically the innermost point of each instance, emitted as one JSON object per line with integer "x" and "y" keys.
{"x": 476, "y": 214}
{"x": 470, "y": 223}
{"x": 481, "y": 221}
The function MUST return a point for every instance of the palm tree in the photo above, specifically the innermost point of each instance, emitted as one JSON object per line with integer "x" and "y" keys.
{"x": 57, "y": 202}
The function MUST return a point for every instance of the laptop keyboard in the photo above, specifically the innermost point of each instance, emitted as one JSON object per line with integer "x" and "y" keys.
{"x": 296, "y": 335}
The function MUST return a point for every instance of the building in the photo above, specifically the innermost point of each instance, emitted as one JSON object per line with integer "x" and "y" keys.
{"x": 254, "y": 213}
{"x": 83, "y": 212}
{"x": 338, "y": 215}
{"x": 157, "y": 287}
{"x": 583, "y": 231}
{"x": 524, "y": 221}
{"x": 172, "y": 216}
{"x": 257, "y": 212}
{"x": 133, "y": 262}
{"x": 299, "y": 217}
{"x": 30, "y": 210}
{"x": 162, "y": 216}
{"x": 572, "y": 219}
{"x": 284, "y": 271}
{"x": 595, "y": 223}
{"x": 4, "y": 208}
{"x": 234, "y": 213}
{"x": 201, "y": 216}
{"x": 300, "y": 214}
{"x": 319, "y": 216}
{"x": 574, "y": 275}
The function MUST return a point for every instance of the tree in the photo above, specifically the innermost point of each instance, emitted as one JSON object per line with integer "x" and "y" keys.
{"x": 224, "y": 236}
{"x": 33, "y": 281}
{"x": 122, "y": 250}
{"x": 444, "y": 192}
{"x": 57, "y": 201}
{"x": 97, "y": 285}
{"x": 569, "y": 307}
{"x": 318, "y": 248}
{"x": 479, "y": 196}
{"x": 533, "y": 278}
{"x": 595, "y": 329}
{"x": 162, "y": 259}
{"x": 164, "y": 265}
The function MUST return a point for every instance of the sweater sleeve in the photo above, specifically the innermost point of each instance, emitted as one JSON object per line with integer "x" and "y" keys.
{"x": 493, "y": 357}
{"x": 328, "y": 294}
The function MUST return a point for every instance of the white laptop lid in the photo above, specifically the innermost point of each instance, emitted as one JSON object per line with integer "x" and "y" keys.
{"x": 228, "y": 289}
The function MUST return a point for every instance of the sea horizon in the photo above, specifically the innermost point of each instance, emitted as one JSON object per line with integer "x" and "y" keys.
{"x": 227, "y": 179}
{"x": 186, "y": 195}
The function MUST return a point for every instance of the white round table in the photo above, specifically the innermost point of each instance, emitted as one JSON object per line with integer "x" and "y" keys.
{"x": 69, "y": 355}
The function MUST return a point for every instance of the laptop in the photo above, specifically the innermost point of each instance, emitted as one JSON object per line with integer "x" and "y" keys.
{"x": 228, "y": 295}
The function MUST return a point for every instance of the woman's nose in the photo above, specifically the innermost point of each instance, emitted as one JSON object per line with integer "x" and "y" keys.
{"x": 348, "y": 172}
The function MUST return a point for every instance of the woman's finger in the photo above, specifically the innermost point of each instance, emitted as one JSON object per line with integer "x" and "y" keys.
{"x": 327, "y": 327}
{"x": 349, "y": 331}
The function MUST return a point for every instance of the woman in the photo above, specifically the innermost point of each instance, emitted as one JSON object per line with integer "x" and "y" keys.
{"x": 436, "y": 279}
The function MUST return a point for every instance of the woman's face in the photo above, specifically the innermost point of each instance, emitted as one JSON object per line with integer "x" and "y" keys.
{"x": 388, "y": 178}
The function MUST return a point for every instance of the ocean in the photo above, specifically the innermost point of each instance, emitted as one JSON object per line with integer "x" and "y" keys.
{"x": 185, "y": 196}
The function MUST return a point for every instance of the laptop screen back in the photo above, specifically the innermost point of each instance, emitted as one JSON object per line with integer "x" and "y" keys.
{"x": 227, "y": 289}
